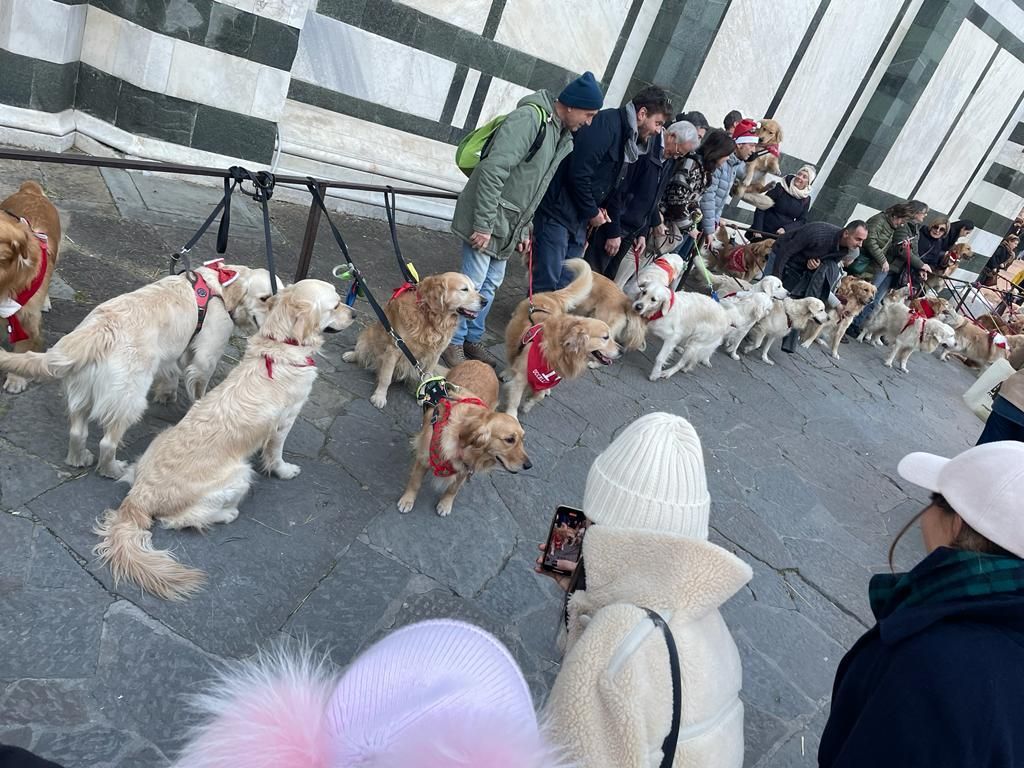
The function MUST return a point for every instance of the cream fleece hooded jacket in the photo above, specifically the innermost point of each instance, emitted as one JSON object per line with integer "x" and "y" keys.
{"x": 611, "y": 703}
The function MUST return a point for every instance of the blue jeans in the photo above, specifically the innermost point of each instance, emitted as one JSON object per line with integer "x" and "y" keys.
{"x": 882, "y": 281}
{"x": 553, "y": 243}
{"x": 769, "y": 265}
{"x": 486, "y": 274}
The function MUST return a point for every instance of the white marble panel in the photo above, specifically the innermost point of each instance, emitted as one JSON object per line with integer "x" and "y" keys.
{"x": 501, "y": 98}
{"x": 100, "y": 40}
{"x": 631, "y": 53}
{"x": 742, "y": 74}
{"x": 982, "y": 121}
{"x": 466, "y": 98}
{"x": 862, "y": 212}
{"x": 993, "y": 198}
{"x": 825, "y": 84}
{"x": 1011, "y": 155}
{"x": 213, "y": 78}
{"x": 142, "y": 57}
{"x": 343, "y": 58}
{"x": 576, "y": 34}
{"x": 42, "y": 29}
{"x": 984, "y": 242}
{"x": 466, "y": 14}
{"x": 947, "y": 91}
{"x": 1006, "y": 12}
{"x": 290, "y": 12}
{"x": 271, "y": 92}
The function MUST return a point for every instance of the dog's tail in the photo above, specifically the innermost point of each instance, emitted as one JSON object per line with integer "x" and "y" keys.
{"x": 634, "y": 332}
{"x": 578, "y": 290}
{"x": 126, "y": 546}
{"x": 72, "y": 353}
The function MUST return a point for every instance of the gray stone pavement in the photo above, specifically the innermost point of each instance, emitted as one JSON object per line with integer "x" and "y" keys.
{"x": 801, "y": 461}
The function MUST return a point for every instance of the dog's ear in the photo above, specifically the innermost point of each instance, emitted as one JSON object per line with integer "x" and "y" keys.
{"x": 778, "y": 133}
{"x": 18, "y": 245}
{"x": 577, "y": 338}
{"x": 305, "y": 321}
{"x": 434, "y": 293}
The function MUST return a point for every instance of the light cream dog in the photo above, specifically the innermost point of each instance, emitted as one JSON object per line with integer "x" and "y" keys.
{"x": 197, "y": 472}
{"x": 926, "y": 334}
{"x": 747, "y": 308}
{"x": 110, "y": 361}
{"x": 786, "y": 315}
{"x": 690, "y": 322}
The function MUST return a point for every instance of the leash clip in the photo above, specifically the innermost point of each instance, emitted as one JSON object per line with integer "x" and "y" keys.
{"x": 430, "y": 392}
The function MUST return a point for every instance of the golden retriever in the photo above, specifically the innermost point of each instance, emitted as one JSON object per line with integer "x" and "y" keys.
{"x": 919, "y": 332}
{"x": 787, "y": 314}
{"x": 750, "y": 187}
{"x": 746, "y": 260}
{"x": 607, "y": 302}
{"x": 24, "y": 279}
{"x": 559, "y": 348}
{"x": 550, "y": 303}
{"x": 690, "y": 322}
{"x": 976, "y": 344}
{"x": 197, "y": 472}
{"x": 888, "y": 319}
{"x": 425, "y": 316}
{"x": 109, "y": 362}
{"x": 747, "y": 308}
{"x": 464, "y": 436}
{"x": 854, "y": 294}
{"x": 991, "y": 322}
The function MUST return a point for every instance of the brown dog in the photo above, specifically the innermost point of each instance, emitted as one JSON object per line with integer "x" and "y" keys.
{"x": 745, "y": 260}
{"x": 425, "y": 316}
{"x": 935, "y": 305}
{"x": 854, "y": 294}
{"x": 29, "y": 244}
{"x": 606, "y": 301}
{"x": 995, "y": 323}
{"x": 464, "y": 436}
{"x": 769, "y": 134}
{"x": 550, "y": 303}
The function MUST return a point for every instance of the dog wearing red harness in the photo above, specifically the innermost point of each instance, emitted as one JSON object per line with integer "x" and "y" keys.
{"x": 144, "y": 339}
{"x": 30, "y": 236}
{"x": 976, "y": 343}
{"x": 464, "y": 436}
{"x": 196, "y": 473}
{"x": 919, "y": 332}
{"x": 607, "y": 302}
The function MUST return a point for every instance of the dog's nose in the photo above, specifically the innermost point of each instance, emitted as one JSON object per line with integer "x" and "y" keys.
{"x": 638, "y": 307}
{"x": 527, "y": 464}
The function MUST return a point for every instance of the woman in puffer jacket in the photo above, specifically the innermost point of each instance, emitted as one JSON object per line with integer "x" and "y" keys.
{"x": 647, "y": 550}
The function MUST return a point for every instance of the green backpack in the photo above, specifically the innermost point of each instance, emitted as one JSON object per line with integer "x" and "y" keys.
{"x": 473, "y": 148}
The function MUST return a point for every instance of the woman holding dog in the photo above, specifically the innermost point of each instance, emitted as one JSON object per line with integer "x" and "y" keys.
{"x": 790, "y": 200}
{"x": 650, "y": 596}
{"x": 939, "y": 679}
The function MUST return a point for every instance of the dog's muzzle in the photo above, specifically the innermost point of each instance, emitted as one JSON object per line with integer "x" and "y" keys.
{"x": 601, "y": 357}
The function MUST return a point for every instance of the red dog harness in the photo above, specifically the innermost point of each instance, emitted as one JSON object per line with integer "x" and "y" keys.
{"x": 661, "y": 313}
{"x": 539, "y": 373}
{"x": 443, "y": 411}
{"x": 15, "y": 331}
{"x": 268, "y": 361}
{"x": 403, "y": 288}
{"x": 202, "y": 290}
{"x": 660, "y": 262}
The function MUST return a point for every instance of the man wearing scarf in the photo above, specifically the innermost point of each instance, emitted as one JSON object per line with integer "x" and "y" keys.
{"x": 578, "y": 195}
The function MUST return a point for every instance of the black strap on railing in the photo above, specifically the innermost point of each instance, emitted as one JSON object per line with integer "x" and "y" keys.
{"x": 391, "y": 207}
{"x": 263, "y": 190}
{"x": 358, "y": 276}
{"x": 223, "y": 209}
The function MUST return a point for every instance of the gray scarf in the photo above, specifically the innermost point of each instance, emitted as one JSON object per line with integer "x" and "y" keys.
{"x": 632, "y": 149}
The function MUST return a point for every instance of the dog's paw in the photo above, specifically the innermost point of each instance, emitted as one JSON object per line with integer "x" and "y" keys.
{"x": 767, "y": 360}
{"x": 114, "y": 470}
{"x": 444, "y": 508}
{"x": 166, "y": 397}
{"x": 887, "y": 363}
{"x": 285, "y": 471}
{"x": 836, "y": 356}
{"x": 47, "y": 306}
{"x": 350, "y": 356}
{"x": 406, "y": 503}
{"x": 903, "y": 369}
{"x": 15, "y": 385}
{"x": 654, "y": 376}
{"x": 706, "y": 363}
{"x": 83, "y": 459}
{"x": 379, "y": 400}
{"x": 734, "y": 355}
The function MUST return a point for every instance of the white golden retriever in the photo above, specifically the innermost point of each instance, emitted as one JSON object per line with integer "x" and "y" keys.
{"x": 747, "y": 308}
{"x": 786, "y": 315}
{"x": 691, "y": 322}
{"x": 665, "y": 269}
{"x": 197, "y": 472}
{"x": 110, "y": 361}
{"x": 926, "y": 334}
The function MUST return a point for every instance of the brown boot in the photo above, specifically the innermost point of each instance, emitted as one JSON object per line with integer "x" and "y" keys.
{"x": 453, "y": 355}
{"x": 477, "y": 351}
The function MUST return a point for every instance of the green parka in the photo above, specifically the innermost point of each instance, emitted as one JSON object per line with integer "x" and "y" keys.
{"x": 876, "y": 248}
{"x": 504, "y": 190}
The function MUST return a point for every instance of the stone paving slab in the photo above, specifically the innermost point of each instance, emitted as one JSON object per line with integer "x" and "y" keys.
{"x": 801, "y": 466}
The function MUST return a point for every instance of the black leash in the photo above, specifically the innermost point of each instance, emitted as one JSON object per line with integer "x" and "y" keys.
{"x": 358, "y": 276}
{"x": 391, "y": 207}
{"x": 263, "y": 190}
{"x": 668, "y": 747}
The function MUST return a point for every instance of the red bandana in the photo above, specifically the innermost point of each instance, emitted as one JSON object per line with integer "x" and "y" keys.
{"x": 736, "y": 261}
{"x": 667, "y": 267}
{"x": 443, "y": 412}
{"x": 539, "y": 373}
{"x": 268, "y": 361}
{"x": 661, "y": 313}
{"x": 15, "y": 332}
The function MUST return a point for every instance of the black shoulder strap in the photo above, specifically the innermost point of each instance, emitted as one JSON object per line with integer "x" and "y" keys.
{"x": 538, "y": 140}
{"x": 668, "y": 747}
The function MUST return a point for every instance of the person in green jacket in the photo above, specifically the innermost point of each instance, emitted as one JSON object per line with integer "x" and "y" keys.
{"x": 495, "y": 209}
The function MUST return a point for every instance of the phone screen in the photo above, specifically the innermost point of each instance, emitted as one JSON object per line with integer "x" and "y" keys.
{"x": 565, "y": 540}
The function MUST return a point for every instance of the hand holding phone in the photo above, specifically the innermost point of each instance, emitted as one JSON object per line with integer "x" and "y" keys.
{"x": 564, "y": 545}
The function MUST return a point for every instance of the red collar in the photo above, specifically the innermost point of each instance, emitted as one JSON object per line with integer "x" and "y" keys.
{"x": 442, "y": 413}
{"x": 539, "y": 373}
{"x": 269, "y": 361}
{"x": 661, "y": 313}
{"x": 405, "y": 288}
{"x": 660, "y": 262}
{"x": 15, "y": 331}
{"x": 912, "y": 318}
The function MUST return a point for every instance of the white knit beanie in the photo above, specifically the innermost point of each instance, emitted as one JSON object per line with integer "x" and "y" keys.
{"x": 651, "y": 477}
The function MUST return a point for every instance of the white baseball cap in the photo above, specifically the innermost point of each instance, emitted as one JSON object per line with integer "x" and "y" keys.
{"x": 984, "y": 485}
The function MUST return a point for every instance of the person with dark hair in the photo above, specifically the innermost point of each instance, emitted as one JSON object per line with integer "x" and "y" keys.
{"x": 787, "y": 203}
{"x": 579, "y": 190}
{"x": 905, "y": 263}
{"x": 712, "y": 203}
{"x": 939, "y": 680}
{"x": 731, "y": 119}
{"x": 1000, "y": 259}
{"x": 809, "y": 259}
{"x": 931, "y": 242}
{"x": 696, "y": 119}
{"x": 957, "y": 230}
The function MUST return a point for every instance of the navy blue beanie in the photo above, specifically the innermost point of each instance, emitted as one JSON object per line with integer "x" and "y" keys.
{"x": 582, "y": 93}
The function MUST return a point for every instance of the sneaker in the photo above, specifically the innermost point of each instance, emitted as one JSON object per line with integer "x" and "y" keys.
{"x": 477, "y": 351}
{"x": 453, "y": 355}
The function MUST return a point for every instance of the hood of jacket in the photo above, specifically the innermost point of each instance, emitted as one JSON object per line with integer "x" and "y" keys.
{"x": 545, "y": 101}
{"x": 661, "y": 571}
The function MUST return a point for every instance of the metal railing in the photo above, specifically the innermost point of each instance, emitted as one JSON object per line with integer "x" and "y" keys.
{"x": 312, "y": 218}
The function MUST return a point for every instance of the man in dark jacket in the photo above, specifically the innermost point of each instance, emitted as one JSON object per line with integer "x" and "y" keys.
{"x": 579, "y": 191}
{"x": 633, "y": 207}
{"x": 809, "y": 259}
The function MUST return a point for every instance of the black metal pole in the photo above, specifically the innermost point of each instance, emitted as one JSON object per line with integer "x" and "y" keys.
{"x": 309, "y": 238}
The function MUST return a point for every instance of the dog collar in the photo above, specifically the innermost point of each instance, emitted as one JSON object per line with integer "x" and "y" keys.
{"x": 15, "y": 331}
{"x": 661, "y": 313}
{"x": 442, "y": 413}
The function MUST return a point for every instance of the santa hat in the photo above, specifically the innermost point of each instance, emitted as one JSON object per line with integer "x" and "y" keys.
{"x": 745, "y": 131}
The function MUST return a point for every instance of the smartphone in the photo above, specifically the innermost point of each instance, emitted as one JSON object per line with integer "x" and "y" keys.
{"x": 565, "y": 540}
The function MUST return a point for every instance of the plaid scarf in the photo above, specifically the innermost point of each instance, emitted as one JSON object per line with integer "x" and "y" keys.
{"x": 944, "y": 576}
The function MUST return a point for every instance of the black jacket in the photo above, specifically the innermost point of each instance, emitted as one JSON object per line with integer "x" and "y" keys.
{"x": 586, "y": 178}
{"x": 633, "y": 205}
{"x": 788, "y": 213}
{"x": 938, "y": 684}
{"x": 931, "y": 249}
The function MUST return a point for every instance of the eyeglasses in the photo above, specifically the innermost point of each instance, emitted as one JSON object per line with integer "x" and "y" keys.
{"x": 938, "y": 228}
